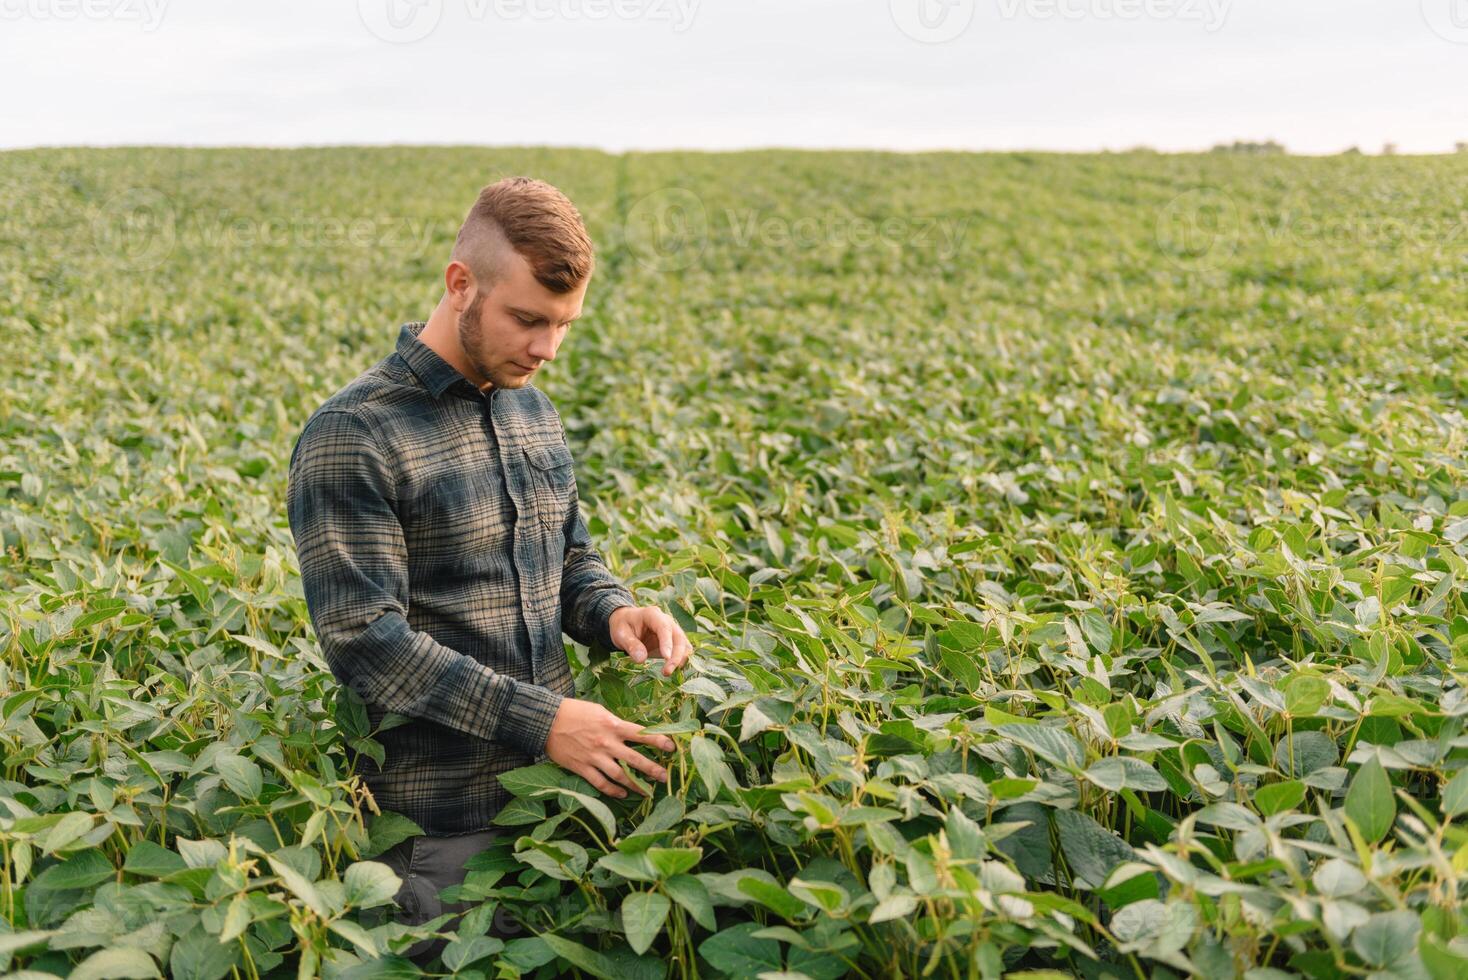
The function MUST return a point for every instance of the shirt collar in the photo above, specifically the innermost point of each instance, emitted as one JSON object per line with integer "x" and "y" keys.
{"x": 436, "y": 374}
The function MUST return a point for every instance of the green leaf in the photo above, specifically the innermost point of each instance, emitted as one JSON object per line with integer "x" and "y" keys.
{"x": 201, "y": 853}
{"x": 894, "y": 906}
{"x": 82, "y": 870}
{"x": 1304, "y": 753}
{"x": 71, "y": 826}
{"x": 386, "y": 830}
{"x": 1442, "y": 961}
{"x": 708, "y": 761}
{"x": 1055, "y": 746}
{"x": 356, "y": 935}
{"x": 824, "y": 895}
{"x": 242, "y": 776}
{"x": 693, "y": 896}
{"x": 462, "y": 952}
{"x": 643, "y": 914}
{"x": 591, "y": 805}
{"x": 1123, "y": 772}
{"x": 633, "y": 867}
{"x": 1369, "y": 801}
{"x": 1387, "y": 937}
{"x": 1097, "y": 630}
{"x": 147, "y": 859}
{"x": 197, "y": 955}
{"x": 530, "y": 780}
{"x": 961, "y": 665}
{"x": 297, "y": 885}
{"x": 772, "y": 895}
{"x": 754, "y": 722}
{"x": 740, "y": 955}
{"x": 609, "y": 967}
{"x": 1092, "y": 851}
{"x": 670, "y": 861}
{"x": 1455, "y": 795}
{"x": 116, "y": 964}
{"x": 1305, "y": 694}
{"x": 1279, "y": 797}
{"x": 370, "y": 883}
{"x": 14, "y": 942}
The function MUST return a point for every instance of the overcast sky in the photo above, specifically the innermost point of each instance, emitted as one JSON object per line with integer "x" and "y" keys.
{"x": 1317, "y": 75}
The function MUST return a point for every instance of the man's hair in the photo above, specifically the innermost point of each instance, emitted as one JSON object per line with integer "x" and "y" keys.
{"x": 536, "y": 220}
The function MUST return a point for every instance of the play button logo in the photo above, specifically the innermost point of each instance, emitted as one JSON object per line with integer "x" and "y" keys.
{"x": 400, "y": 21}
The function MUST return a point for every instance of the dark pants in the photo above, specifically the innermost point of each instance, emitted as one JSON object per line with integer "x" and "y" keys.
{"x": 428, "y": 865}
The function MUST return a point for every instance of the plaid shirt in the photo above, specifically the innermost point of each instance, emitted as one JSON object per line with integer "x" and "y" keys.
{"x": 442, "y": 553}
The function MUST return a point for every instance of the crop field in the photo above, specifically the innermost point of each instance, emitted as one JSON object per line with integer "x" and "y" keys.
{"x": 1073, "y": 549}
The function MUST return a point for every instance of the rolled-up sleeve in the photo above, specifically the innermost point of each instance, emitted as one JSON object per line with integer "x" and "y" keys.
{"x": 342, "y": 506}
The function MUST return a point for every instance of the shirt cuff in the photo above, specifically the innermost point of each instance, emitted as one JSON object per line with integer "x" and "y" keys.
{"x": 527, "y": 722}
{"x": 601, "y": 617}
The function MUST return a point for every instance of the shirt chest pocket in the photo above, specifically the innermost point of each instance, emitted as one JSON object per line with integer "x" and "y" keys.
{"x": 552, "y": 483}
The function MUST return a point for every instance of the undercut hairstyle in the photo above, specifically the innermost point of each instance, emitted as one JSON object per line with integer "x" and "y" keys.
{"x": 536, "y": 220}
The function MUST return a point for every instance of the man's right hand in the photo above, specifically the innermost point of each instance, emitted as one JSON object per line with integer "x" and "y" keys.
{"x": 587, "y": 739}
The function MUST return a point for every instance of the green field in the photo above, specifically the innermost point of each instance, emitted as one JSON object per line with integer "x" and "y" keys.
{"x": 1073, "y": 549}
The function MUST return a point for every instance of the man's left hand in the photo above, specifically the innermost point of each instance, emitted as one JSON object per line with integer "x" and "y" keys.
{"x": 640, "y": 629}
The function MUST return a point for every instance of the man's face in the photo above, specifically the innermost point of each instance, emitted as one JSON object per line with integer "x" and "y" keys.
{"x": 508, "y": 332}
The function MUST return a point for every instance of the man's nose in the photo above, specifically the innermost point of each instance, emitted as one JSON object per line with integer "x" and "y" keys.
{"x": 543, "y": 350}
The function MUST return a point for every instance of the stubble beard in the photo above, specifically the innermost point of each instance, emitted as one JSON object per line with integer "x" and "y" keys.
{"x": 471, "y": 336}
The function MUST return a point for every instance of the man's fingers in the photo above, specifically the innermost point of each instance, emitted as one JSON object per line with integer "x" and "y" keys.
{"x": 625, "y": 636}
{"x": 664, "y": 627}
{"x": 608, "y": 765}
{"x": 634, "y": 732}
{"x": 594, "y": 776}
{"x": 684, "y": 651}
{"x": 643, "y": 764}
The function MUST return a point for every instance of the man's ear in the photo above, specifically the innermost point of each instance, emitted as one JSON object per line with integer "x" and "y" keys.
{"x": 459, "y": 284}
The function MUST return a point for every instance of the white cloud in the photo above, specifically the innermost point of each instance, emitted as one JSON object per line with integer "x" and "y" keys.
{"x": 1317, "y": 75}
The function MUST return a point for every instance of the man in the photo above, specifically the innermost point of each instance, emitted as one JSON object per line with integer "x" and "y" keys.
{"x": 442, "y": 551}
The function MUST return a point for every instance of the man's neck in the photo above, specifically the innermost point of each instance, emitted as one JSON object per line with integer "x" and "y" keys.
{"x": 441, "y": 335}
